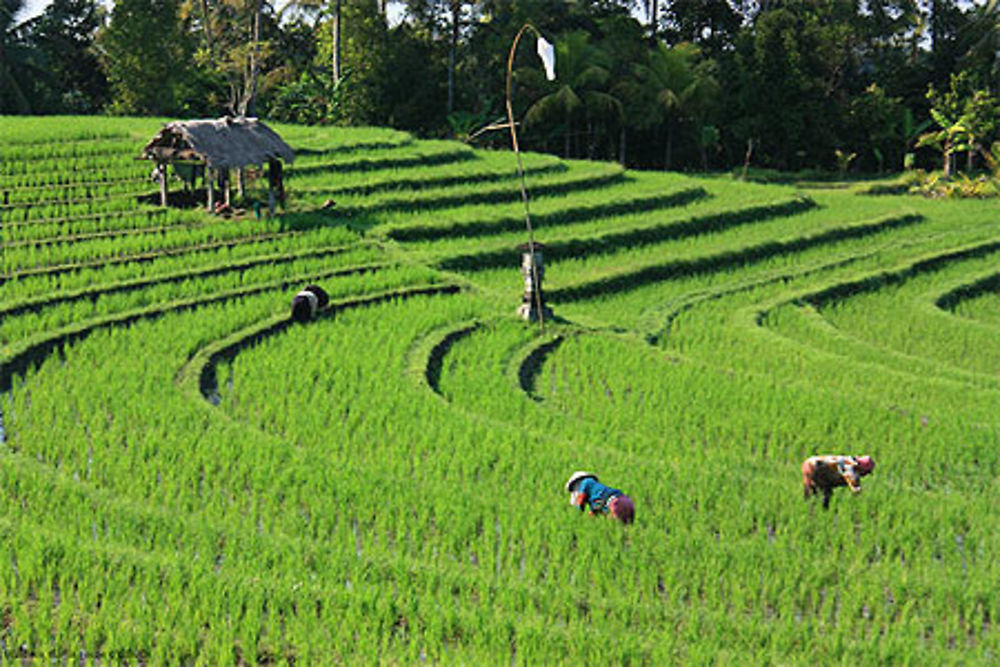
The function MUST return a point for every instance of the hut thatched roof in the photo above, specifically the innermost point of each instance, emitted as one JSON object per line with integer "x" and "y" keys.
{"x": 226, "y": 143}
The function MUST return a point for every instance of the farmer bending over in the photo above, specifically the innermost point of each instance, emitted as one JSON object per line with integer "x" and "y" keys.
{"x": 586, "y": 492}
{"x": 308, "y": 302}
{"x": 825, "y": 473}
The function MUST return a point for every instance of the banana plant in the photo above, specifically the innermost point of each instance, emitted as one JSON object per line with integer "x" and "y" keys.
{"x": 991, "y": 156}
{"x": 950, "y": 137}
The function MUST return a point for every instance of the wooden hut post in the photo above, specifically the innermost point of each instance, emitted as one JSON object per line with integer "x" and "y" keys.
{"x": 273, "y": 174}
{"x": 161, "y": 169}
{"x": 210, "y": 187}
{"x": 226, "y": 189}
{"x": 241, "y": 182}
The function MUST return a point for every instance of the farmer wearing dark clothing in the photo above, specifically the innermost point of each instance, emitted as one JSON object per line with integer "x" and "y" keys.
{"x": 308, "y": 302}
{"x": 587, "y": 493}
{"x": 276, "y": 181}
{"x": 825, "y": 473}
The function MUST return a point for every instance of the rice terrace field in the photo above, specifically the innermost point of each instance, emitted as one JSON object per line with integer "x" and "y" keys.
{"x": 185, "y": 478}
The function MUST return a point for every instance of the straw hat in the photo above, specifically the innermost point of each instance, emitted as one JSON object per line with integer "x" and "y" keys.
{"x": 577, "y": 476}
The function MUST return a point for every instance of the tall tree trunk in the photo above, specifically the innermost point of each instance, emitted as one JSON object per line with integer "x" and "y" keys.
{"x": 652, "y": 11}
{"x": 621, "y": 146}
{"x": 249, "y": 106}
{"x": 336, "y": 40}
{"x": 456, "y": 13}
{"x": 669, "y": 150}
{"x": 932, "y": 22}
{"x": 746, "y": 159}
{"x": 207, "y": 29}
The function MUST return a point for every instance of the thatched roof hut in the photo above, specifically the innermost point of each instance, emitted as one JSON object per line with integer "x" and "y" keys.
{"x": 226, "y": 143}
{"x": 219, "y": 146}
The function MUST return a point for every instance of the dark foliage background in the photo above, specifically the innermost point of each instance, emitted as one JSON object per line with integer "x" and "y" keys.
{"x": 685, "y": 84}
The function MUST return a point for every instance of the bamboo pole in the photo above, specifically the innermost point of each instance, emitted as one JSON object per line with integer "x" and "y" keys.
{"x": 520, "y": 172}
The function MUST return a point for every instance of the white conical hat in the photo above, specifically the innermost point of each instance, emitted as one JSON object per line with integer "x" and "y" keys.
{"x": 577, "y": 476}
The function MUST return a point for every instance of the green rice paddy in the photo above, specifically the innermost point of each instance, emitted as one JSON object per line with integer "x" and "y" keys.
{"x": 188, "y": 478}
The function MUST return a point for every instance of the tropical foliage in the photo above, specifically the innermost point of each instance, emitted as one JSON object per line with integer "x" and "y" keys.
{"x": 682, "y": 85}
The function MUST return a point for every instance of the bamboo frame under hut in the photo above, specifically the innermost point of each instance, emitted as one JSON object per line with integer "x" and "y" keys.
{"x": 217, "y": 147}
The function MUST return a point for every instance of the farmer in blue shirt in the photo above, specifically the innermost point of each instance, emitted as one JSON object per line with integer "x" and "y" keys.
{"x": 587, "y": 493}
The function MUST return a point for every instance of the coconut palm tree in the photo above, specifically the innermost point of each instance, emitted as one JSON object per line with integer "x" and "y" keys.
{"x": 580, "y": 94}
{"x": 677, "y": 88}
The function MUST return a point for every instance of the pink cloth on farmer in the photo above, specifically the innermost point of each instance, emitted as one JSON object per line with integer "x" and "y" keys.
{"x": 622, "y": 508}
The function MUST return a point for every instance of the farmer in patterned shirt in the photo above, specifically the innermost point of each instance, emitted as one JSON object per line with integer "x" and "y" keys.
{"x": 825, "y": 473}
{"x": 587, "y": 493}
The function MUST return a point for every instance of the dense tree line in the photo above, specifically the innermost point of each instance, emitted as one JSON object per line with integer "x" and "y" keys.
{"x": 678, "y": 84}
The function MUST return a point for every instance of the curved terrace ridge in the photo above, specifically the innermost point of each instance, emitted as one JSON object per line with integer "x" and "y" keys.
{"x": 672, "y": 312}
{"x": 94, "y": 293}
{"x": 105, "y": 235}
{"x": 818, "y": 298}
{"x": 949, "y": 300}
{"x": 144, "y": 257}
{"x": 876, "y": 280}
{"x": 36, "y": 351}
{"x": 565, "y": 216}
{"x": 109, "y": 215}
{"x": 434, "y": 360}
{"x": 430, "y": 182}
{"x": 26, "y": 207}
{"x": 854, "y": 349}
{"x": 530, "y": 365}
{"x": 376, "y": 164}
{"x": 203, "y": 364}
{"x": 609, "y": 243}
{"x": 495, "y": 195}
{"x": 70, "y": 194}
{"x": 306, "y": 151}
{"x": 731, "y": 258}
